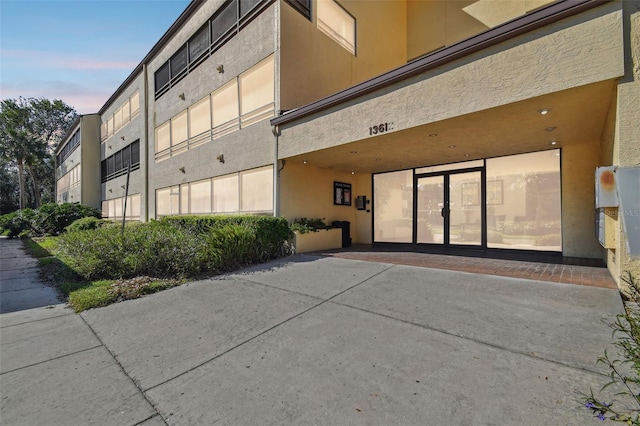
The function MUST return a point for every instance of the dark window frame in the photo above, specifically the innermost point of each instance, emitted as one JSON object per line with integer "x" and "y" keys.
{"x": 302, "y": 6}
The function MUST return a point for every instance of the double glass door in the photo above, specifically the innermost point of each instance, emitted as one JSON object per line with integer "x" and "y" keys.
{"x": 449, "y": 208}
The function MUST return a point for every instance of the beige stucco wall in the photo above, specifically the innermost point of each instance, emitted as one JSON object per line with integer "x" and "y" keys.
{"x": 531, "y": 65}
{"x": 314, "y": 66}
{"x": 578, "y": 200}
{"x": 623, "y": 137}
{"x": 307, "y": 191}
{"x": 90, "y": 166}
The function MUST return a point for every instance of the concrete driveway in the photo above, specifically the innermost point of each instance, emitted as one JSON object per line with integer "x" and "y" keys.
{"x": 314, "y": 340}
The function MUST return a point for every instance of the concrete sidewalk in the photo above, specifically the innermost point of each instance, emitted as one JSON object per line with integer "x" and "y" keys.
{"x": 314, "y": 340}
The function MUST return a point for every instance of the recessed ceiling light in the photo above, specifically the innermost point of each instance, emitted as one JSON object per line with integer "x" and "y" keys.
{"x": 304, "y": 162}
{"x": 354, "y": 152}
{"x": 554, "y": 142}
{"x": 378, "y": 159}
{"x": 544, "y": 111}
{"x": 550, "y": 129}
{"x": 433, "y": 135}
{"x": 467, "y": 155}
{"x": 353, "y": 173}
{"x": 452, "y": 146}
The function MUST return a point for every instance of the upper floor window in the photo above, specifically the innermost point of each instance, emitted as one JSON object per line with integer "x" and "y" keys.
{"x": 123, "y": 115}
{"x": 72, "y": 144}
{"x": 302, "y": 6}
{"x": 230, "y": 18}
{"x": 337, "y": 23}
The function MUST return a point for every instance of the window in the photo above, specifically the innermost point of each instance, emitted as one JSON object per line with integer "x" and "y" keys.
{"x": 302, "y": 6}
{"x": 199, "y": 43}
{"x": 179, "y": 61}
{"x": 200, "y": 197}
{"x": 223, "y": 21}
{"x": 162, "y": 77}
{"x": 179, "y": 128}
{"x": 123, "y": 115}
{"x": 113, "y": 208}
{"x": 225, "y": 109}
{"x": 524, "y": 201}
{"x": 257, "y": 189}
{"x": 135, "y": 104}
{"x": 257, "y": 92}
{"x": 163, "y": 137}
{"x": 184, "y": 198}
{"x": 118, "y": 164}
{"x": 247, "y": 5}
{"x": 200, "y": 117}
{"x": 167, "y": 201}
{"x": 335, "y": 22}
{"x": 393, "y": 212}
{"x": 225, "y": 194}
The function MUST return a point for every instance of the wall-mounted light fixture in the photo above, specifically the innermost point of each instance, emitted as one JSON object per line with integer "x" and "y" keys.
{"x": 181, "y": 96}
{"x": 122, "y": 137}
{"x": 220, "y": 69}
{"x": 109, "y": 146}
{"x": 220, "y": 158}
{"x": 182, "y": 169}
{"x": 110, "y": 190}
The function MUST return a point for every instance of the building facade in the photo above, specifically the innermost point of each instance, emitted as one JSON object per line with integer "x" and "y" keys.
{"x": 448, "y": 125}
{"x": 77, "y": 163}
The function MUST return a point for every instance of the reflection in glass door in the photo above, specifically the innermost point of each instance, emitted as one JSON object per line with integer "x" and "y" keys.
{"x": 465, "y": 212}
{"x": 449, "y": 209}
{"x": 430, "y": 217}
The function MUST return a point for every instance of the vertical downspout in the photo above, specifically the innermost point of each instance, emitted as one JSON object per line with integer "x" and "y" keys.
{"x": 275, "y": 129}
{"x": 146, "y": 142}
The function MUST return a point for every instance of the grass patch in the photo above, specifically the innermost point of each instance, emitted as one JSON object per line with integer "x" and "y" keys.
{"x": 39, "y": 247}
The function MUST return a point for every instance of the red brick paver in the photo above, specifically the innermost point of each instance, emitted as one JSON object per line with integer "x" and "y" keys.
{"x": 561, "y": 273}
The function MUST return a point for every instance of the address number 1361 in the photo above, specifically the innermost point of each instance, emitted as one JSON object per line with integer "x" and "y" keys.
{"x": 380, "y": 128}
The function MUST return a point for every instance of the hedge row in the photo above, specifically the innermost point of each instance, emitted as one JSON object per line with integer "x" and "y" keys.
{"x": 179, "y": 247}
{"x": 49, "y": 219}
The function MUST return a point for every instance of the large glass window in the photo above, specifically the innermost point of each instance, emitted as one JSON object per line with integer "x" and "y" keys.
{"x": 135, "y": 104}
{"x": 225, "y": 108}
{"x": 257, "y": 189}
{"x": 200, "y": 197}
{"x": 163, "y": 137}
{"x": 335, "y": 22}
{"x": 393, "y": 206}
{"x": 200, "y": 117}
{"x": 523, "y": 201}
{"x": 225, "y": 194}
{"x": 179, "y": 61}
{"x": 224, "y": 20}
{"x": 162, "y": 76}
{"x": 257, "y": 92}
{"x": 179, "y": 128}
{"x": 168, "y": 201}
{"x": 199, "y": 43}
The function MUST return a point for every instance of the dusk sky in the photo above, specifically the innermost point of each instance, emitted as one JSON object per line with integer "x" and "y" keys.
{"x": 79, "y": 51}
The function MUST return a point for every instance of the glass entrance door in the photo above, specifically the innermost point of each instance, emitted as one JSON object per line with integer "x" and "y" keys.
{"x": 449, "y": 209}
{"x": 430, "y": 218}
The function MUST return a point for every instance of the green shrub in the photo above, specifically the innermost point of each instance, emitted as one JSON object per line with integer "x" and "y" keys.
{"x": 304, "y": 225}
{"x": 271, "y": 233}
{"x": 16, "y": 223}
{"x": 231, "y": 246}
{"x": 52, "y": 218}
{"x": 154, "y": 249}
{"x": 619, "y": 397}
{"x": 49, "y": 219}
{"x": 85, "y": 224}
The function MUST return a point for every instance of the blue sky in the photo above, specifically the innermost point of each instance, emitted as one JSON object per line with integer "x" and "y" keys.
{"x": 79, "y": 51}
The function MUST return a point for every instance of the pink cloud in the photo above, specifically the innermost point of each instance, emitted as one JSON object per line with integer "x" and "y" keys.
{"x": 84, "y": 100}
{"x": 64, "y": 61}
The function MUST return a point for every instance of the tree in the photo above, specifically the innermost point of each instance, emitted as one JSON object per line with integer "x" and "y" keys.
{"x": 30, "y": 131}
